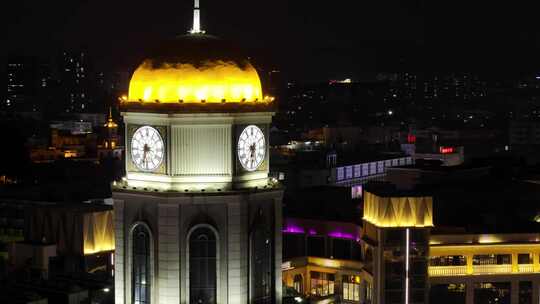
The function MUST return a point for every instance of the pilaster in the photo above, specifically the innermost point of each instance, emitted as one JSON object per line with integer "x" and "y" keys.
{"x": 120, "y": 244}
{"x": 169, "y": 255}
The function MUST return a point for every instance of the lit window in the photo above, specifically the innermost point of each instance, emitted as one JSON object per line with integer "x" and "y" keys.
{"x": 141, "y": 265}
{"x": 322, "y": 284}
{"x": 351, "y": 288}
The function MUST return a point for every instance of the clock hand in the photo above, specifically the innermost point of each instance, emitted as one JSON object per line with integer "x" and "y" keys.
{"x": 146, "y": 149}
{"x": 252, "y": 150}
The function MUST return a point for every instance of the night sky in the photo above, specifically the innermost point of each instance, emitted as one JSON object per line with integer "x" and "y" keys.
{"x": 305, "y": 39}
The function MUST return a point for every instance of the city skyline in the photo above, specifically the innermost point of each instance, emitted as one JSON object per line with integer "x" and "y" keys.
{"x": 317, "y": 41}
{"x": 211, "y": 152}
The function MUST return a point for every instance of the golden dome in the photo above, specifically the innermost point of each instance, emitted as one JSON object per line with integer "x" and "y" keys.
{"x": 195, "y": 69}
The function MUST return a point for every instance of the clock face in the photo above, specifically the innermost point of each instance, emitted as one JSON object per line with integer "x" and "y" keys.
{"x": 251, "y": 148}
{"x": 147, "y": 148}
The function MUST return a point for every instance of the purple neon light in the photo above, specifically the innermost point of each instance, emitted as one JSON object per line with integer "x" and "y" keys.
{"x": 293, "y": 229}
{"x": 341, "y": 235}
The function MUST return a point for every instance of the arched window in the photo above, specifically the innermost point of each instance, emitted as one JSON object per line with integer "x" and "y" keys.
{"x": 298, "y": 283}
{"x": 261, "y": 263}
{"x": 141, "y": 272}
{"x": 202, "y": 266}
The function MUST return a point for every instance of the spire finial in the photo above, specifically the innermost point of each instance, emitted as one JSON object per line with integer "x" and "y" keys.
{"x": 110, "y": 122}
{"x": 196, "y": 29}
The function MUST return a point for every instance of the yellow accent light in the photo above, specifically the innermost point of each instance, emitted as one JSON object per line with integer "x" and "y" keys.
{"x": 489, "y": 239}
{"x": 398, "y": 211}
{"x": 70, "y": 154}
{"x": 98, "y": 232}
{"x": 212, "y": 82}
{"x": 470, "y": 250}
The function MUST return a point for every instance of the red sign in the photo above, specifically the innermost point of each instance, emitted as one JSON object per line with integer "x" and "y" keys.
{"x": 446, "y": 150}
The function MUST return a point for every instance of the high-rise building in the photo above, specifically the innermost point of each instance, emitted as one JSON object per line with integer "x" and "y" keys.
{"x": 75, "y": 81}
{"x": 28, "y": 80}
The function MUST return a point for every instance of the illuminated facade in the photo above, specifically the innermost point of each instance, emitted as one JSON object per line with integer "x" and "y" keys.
{"x": 322, "y": 261}
{"x": 197, "y": 219}
{"x": 409, "y": 263}
{"x": 396, "y": 242}
{"x": 401, "y": 211}
{"x": 471, "y": 268}
{"x": 321, "y": 278}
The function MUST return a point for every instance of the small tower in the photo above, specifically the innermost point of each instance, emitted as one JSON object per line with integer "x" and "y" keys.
{"x": 111, "y": 128}
{"x": 110, "y": 144}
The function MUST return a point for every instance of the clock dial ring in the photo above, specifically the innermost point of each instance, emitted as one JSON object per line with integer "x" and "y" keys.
{"x": 147, "y": 148}
{"x": 251, "y": 148}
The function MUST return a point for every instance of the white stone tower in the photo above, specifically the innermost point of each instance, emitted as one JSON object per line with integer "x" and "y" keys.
{"x": 197, "y": 219}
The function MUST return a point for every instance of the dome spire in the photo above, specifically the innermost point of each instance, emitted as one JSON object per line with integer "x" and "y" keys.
{"x": 196, "y": 29}
{"x": 110, "y": 122}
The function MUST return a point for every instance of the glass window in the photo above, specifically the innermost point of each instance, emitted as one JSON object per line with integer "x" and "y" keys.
{"x": 356, "y": 191}
{"x": 298, "y": 283}
{"x": 356, "y": 251}
{"x": 351, "y": 288}
{"x": 261, "y": 263}
{"x": 341, "y": 249}
{"x": 418, "y": 296}
{"x": 294, "y": 245}
{"x": 525, "y": 258}
{"x": 369, "y": 292}
{"x": 525, "y": 292}
{"x": 492, "y": 292}
{"x": 316, "y": 246}
{"x": 202, "y": 266}
{"x": 492, "y": 259}
{"x": 447, "y": 294}
{"x": 394, "y": 262}
{"x": 419, "y": 236}
{"x": 448, "y": 260}
{"x": 322, "y": 284}
{"x": 394, "y": 297}
{"x": 394, "y": 237}
{"x": 141, "y": 266}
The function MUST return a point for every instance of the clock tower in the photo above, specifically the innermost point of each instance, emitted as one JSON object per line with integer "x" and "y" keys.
{"x": 197, "y": 219}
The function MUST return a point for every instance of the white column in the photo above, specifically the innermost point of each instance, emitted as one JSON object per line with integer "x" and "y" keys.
{"x": 168, "y": 254}
{"x": 120, "y": 243}
{"x": 407, "y": 258}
